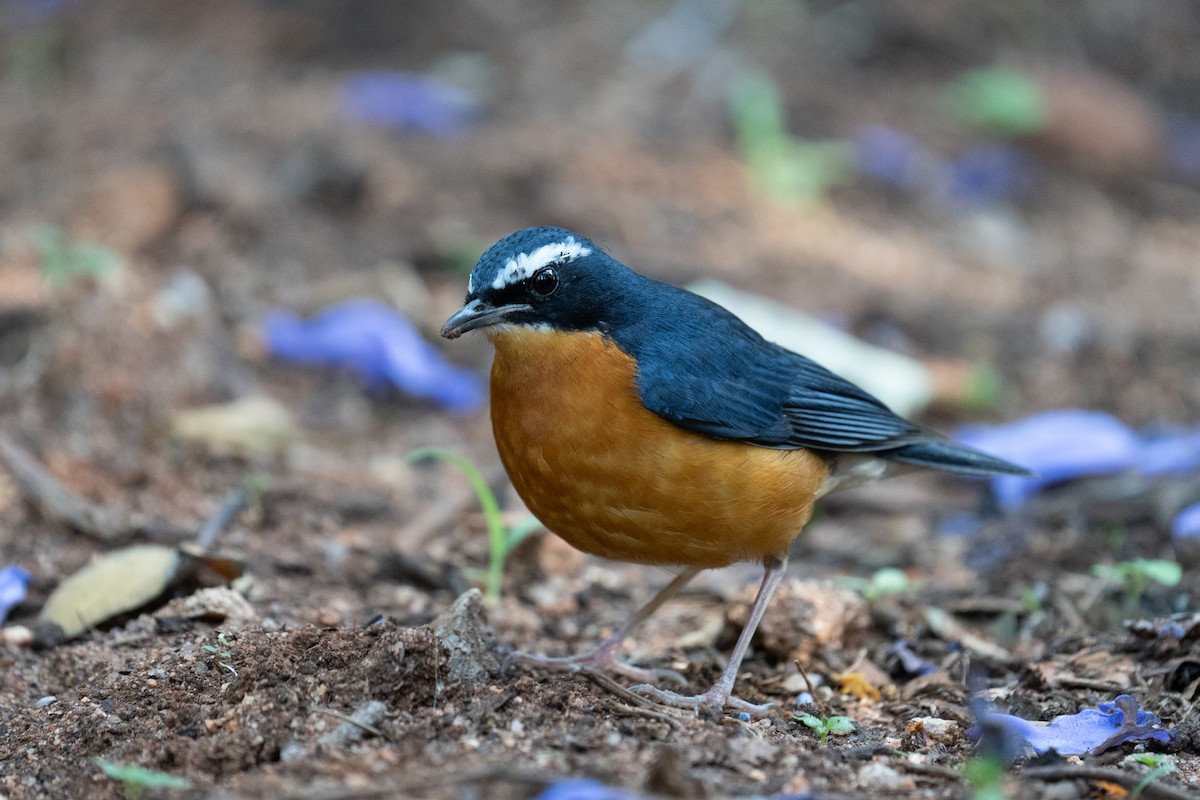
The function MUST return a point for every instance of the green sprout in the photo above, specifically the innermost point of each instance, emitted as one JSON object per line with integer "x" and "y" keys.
{"x": 826, "y": 726}
{"x": 1160, "y": 765}
{"x": 786, "y": 168}
{"x": 1135, "y": 576}
{"x": 985, "y": 775}
{"x": 64, "y": 261}
{"x": 138, "y": 779}
{"x": 888, "y": 580}
{"x": 1000, "y": 100}
{"x": 222, "y": 654}
{"x": 502, "y": 538}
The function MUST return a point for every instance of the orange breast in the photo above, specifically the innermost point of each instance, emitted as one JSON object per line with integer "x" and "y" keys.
{"x": 617, "y": 480}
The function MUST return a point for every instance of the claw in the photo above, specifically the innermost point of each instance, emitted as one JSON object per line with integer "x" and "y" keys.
{"x": 716, "y": 699}
{"x": 600, "y": 659}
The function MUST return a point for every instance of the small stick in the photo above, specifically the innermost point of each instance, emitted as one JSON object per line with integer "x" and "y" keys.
{"x": 1069, "y": 772}
{"x": 42, "y": 490}
{"x": 821, "y": 707}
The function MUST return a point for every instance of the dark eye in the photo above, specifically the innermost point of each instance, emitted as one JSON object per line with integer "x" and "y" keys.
{"x": 544, "y": 281}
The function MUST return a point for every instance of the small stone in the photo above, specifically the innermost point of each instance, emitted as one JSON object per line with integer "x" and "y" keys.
{"x": 347, "y": 733}
{"x": 463, "y": 631}
{"x": 215, "y": 604}
{"x": 45, "y": 701}
{"x": 16, "y": 636}
{"x": 945, "y": 731}
{"x": 880, "y": 776}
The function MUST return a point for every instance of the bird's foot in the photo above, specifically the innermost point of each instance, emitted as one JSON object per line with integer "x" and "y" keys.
{"x": 600, "y": 659}
{"x": 716, "y": 699}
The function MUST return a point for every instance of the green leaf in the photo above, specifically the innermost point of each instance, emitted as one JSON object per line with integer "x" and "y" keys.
{"x": 1000, "y": 100}
{"x": 63, "y": 261}
{"x": 1168, "y": 573}
{"x": 519, "y": 531}
{"x": 786, "y": 168}
{"x": 985, "y": 774}
{"x": 134, "y": 776}
{"x": 497, "y": 537}
{"x": 839, "y": 726}
{"x": 835, "y": 725}
{"x": 811, "y": 721}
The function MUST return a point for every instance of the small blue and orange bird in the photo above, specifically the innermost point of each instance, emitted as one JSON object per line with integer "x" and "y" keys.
{"x": 641, "y": 422}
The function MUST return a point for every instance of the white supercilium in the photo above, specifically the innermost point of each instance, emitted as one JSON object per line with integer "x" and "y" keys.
{"x": 523, "y": 266}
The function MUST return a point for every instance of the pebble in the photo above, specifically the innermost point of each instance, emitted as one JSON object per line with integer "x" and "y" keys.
{"x": 946, "y": 731}
{"x": 878, "y": 775}
{"x": 16, "y": 636}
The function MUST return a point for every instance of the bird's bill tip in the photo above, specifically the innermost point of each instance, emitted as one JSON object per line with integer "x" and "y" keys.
{"x": 477, "y": 314}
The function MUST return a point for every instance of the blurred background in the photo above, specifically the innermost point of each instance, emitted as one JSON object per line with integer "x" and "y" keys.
{"x": 1012, "y": 184}
{"x": 1004, "y": 193}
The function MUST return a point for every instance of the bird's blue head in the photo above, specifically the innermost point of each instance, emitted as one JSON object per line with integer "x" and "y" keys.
{"x": 541, "y": 277}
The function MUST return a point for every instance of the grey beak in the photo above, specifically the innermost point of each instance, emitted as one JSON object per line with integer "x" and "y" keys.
{"x": 478, "y": 314}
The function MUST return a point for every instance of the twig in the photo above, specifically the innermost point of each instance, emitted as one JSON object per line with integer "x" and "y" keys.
{"x": 350, "y": 719}
{"x": 1088, "y": 683}
{"x": 605, "y": 682}
{"x": 1069, "y": 772}
{"x": 929, "y": 770}
{"x": 821, "y": 707}
{"x": 42, "y": 490}
{"x": 234, "y": 502}
{"x": 649, "y": 713}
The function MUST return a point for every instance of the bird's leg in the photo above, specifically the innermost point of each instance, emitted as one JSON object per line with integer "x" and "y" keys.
{"x": 720, "y": 696}
{"x": 603, "y": 656}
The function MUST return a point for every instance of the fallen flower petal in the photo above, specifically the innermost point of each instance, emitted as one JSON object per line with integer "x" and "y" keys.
{"x": 1057, "y": 446}
{"x": 909, "y": 661}
{"x": 1091, "y": 731}
{"x": 13, "y": 583}
{"x": 988, "y": 174}
{"x": 1171, "y": 452}
{"x": 373, "y": 340}
{"x": 584, "y": 789}
{"x": 893, "y": 157}
{"x": 407, "y": 102}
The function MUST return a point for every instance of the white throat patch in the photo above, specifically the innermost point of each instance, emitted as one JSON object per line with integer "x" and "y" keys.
{"x": 523, "y": 266}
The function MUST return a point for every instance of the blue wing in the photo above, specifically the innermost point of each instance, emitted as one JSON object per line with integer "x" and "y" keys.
{"x": 705, "y": 370}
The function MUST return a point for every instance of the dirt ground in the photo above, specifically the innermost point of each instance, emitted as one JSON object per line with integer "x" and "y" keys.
{"x": 205, "y": 139}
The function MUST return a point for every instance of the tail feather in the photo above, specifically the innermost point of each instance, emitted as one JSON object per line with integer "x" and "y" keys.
{"x": 950, "y": 457}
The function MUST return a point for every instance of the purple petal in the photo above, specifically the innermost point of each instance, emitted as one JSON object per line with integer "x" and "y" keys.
{"x": 1183, "y": 145}
{"x": 408, "y": 102}
{"x": 373, "y": 340}
{"x": 13, "y": 584}
{"x": 1057, "y": 446}
{"x": 1187, "y": 523}
{"x": 910, "y": 662}
{"x": 584, "y": 789}
{"x": 890, "y": 156}
{"x": 1091, "y": 731}
{"x": 1168, "y": 453}
{"x": 989, "y": 174}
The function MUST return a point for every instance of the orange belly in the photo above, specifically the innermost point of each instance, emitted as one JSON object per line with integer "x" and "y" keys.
{"x": 614, "y": 479}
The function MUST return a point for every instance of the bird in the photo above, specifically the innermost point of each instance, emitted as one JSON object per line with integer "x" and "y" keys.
{"x": 643, "y": 423}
